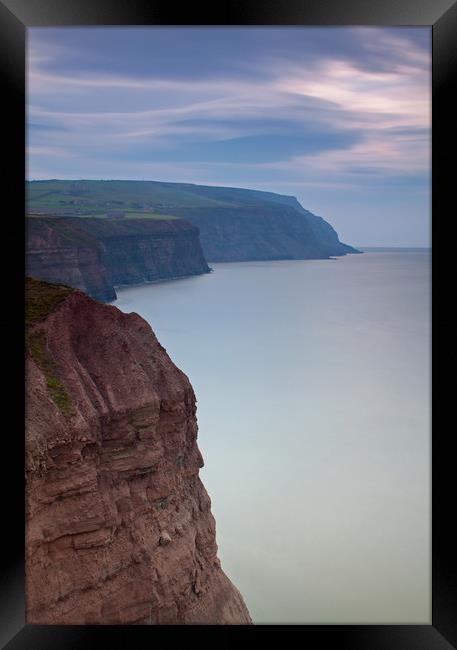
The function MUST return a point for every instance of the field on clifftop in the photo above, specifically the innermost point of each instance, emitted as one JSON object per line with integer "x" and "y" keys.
{"x": 92, "y": 198}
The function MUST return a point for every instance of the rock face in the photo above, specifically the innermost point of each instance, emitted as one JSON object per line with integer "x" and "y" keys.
{"x": 59, "y": 252}
{"x": 325, "y": 234}
{"x": 142, "y": 250}
{"x": 256, "y": 225}
{"x": 96, "y": 255}
{"x": 235, "y": 224}
{"x": 119, "y": 528}
{"x": 263, "y": 232}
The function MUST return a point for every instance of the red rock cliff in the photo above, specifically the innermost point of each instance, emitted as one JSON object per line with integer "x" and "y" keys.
{"x": 119, "y": 526}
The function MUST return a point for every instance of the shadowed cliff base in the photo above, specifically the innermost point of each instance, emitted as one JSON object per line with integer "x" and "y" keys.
{"x": 119, "y": 528}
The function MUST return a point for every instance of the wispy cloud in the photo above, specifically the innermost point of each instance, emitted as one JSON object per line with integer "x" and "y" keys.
{"x": 342, "y": 109}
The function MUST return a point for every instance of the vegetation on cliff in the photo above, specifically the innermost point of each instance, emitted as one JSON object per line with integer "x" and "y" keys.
{"x": 119, "y": 526}
{"x": 37, "y": 345}
{"x": 41, "y": 300}
{"x": 235, "y": 224}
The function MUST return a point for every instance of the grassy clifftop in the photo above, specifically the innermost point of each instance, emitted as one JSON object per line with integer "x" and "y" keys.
{"x": 137, "y": 199}
{"x": 235, "y": 224}
{"x": 42, "y": 298}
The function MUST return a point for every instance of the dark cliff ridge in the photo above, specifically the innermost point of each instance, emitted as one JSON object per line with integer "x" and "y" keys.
{"x": 235, "y": 224}
{"x": 119, "y": 528}
{"x": 263, "y": 232}
{"x": 257, "y": 225}
{"x": 96, "y": 255}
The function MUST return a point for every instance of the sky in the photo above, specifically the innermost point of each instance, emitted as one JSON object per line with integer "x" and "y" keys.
{"x": 339, "y": 117}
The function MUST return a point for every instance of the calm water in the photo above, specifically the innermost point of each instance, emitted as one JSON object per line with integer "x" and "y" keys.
{"x": 313, "y": 388}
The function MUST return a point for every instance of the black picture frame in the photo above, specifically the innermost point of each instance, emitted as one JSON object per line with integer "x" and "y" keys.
{"x": 15, "y": 17}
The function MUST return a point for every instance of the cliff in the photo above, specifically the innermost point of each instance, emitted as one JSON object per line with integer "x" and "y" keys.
{"x": 235, "y": 224}
{"x": 119, "y": 528}
{"x": 263, "y": 231}
{"x": 96, "y": 255}
{"x": 257, "y": 225}
{"x": 325, "y": 234}
{"x": 143, "y": 250}
{"x": 59, "y": 252}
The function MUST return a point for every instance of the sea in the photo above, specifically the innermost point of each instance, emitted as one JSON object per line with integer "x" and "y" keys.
{"x": 313, "y": 386}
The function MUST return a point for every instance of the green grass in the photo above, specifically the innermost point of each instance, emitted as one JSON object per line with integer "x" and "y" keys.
{"x": 42, "y": 298}
{"x": 149, "y": 215}
{"x": 130, "y": 215}
{"x": 97, "y": 197}
{"x": 36, "y": 343}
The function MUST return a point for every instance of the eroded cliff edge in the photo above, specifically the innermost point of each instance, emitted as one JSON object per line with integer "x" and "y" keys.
{"x": 119, "y": 527}
{"x": 235, "y": 224}
{"x": 97, "y": 255}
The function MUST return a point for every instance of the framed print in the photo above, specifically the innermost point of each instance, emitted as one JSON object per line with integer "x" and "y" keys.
{"x": 233, "y": 209}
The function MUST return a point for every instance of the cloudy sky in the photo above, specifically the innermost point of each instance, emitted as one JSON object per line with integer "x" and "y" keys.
{"x": 339, "y": 117}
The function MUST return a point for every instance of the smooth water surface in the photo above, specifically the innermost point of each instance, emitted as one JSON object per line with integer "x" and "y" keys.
{"x": 313, "y": 388}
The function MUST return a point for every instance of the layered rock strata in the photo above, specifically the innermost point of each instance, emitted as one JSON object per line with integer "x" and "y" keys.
{"x": 97, "y": 255}
{"x": 236, "y": 224}
{"x": 119, "y": 528}
{"x": 57, "y": 251}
